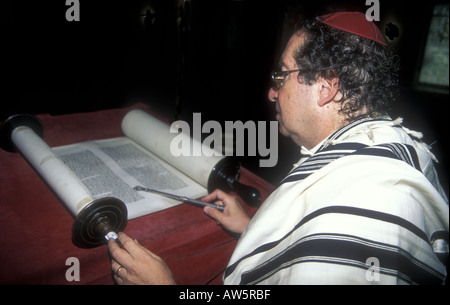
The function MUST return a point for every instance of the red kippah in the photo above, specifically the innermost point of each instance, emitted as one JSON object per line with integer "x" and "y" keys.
{"x": 355, "y": 23}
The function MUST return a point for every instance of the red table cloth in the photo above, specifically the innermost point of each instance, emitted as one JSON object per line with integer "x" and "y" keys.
{"x": 35, "y": 228}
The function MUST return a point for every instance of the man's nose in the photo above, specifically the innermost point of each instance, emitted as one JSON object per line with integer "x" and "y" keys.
{"x": 273, "y": 94}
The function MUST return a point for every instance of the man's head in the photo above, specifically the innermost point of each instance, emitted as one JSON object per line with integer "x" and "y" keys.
{"x": 343, "y": 76}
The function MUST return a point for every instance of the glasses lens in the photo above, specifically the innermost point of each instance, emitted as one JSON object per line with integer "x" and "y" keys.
{"x": 278, "y": 79}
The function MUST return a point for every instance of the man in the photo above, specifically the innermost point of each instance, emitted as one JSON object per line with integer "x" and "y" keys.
{"x": 362, "y": 206}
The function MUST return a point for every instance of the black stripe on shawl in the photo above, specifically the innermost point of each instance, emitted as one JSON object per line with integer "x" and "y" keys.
{"x": 350, "y": 251}
{"x": 336, "y": 209}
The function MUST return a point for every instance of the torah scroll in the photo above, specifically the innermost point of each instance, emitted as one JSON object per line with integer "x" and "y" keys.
{"x": 96, "y": 216}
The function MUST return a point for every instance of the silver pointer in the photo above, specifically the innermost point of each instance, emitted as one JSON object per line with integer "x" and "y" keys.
{"x": 183, "y": 199}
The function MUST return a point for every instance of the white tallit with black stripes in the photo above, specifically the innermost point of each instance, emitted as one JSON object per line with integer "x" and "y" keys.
{"x": 365, "y": 207}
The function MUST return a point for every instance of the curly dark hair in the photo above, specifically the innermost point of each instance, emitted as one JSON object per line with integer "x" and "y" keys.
{"x": 367, "y": 70}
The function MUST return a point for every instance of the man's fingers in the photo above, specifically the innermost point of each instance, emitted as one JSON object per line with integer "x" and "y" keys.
{"x": 129, "y": 244}
{"x": 124, "y": 249}
{"x": 214, "y": 213}
{"x": 134, "y": 264}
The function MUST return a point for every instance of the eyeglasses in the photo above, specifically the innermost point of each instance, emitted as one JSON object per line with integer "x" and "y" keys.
{"x": 279, "y": 78}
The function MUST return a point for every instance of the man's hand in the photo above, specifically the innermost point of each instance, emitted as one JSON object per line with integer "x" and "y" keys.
{"x": 137, "y": 265}
{"x": 233, "y": 218}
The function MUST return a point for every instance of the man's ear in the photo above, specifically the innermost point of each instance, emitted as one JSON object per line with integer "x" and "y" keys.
{"x": 328, "y": 90}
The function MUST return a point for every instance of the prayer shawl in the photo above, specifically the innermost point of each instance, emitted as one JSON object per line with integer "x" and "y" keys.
{"x": 365, "y": 207}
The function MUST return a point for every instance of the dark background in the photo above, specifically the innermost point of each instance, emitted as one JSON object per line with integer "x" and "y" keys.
{"x": 214, "y": 58}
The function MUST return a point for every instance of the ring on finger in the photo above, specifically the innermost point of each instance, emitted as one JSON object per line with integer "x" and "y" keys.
{"x": 118, "y": 269}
